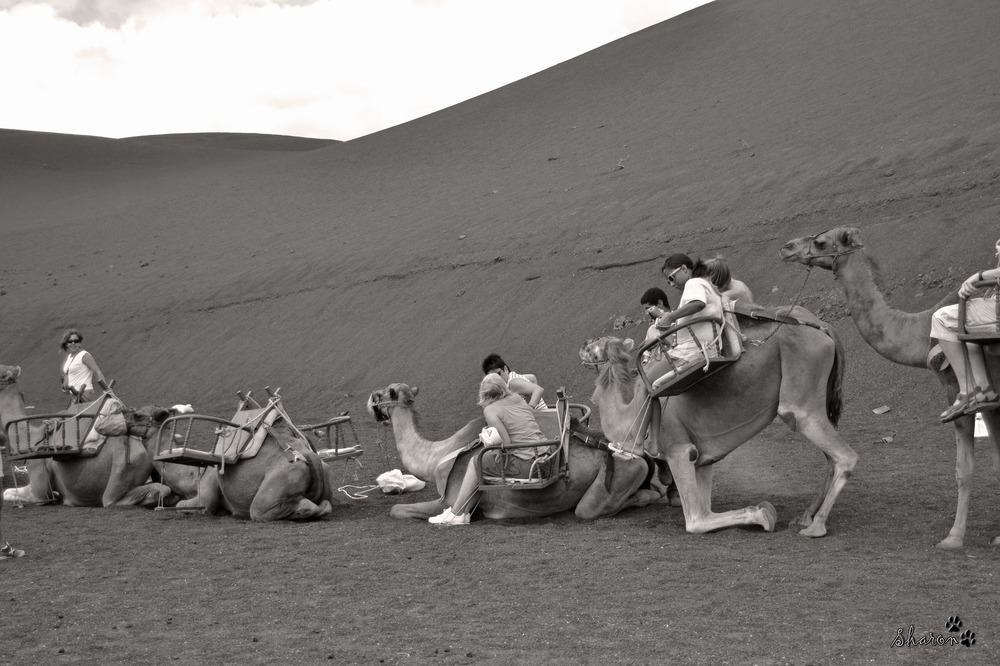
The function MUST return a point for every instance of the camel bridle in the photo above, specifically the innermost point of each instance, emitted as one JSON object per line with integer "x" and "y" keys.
{"x": 810, "y": 255}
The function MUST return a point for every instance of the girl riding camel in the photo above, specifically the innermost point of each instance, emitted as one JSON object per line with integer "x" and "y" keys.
{"x": 510, "y": 422}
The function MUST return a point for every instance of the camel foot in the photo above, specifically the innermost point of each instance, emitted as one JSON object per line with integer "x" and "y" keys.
{"x": 805, "y": 520}
{"x": 951, "y": 543}
{"x": 306, "y": 509}
{"x": 814, "y": 531}
{"x": 769, "y": 516}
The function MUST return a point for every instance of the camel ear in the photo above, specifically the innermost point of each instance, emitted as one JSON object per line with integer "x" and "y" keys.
{"x": 851, "y": 237}
{"x": 629, "y": 344}
{"x": 413, "y": 391}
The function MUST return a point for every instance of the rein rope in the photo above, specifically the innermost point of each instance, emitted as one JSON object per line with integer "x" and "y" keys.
{"x": 783, "y": 321}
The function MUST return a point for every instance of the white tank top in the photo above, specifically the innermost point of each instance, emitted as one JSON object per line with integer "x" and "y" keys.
{"x": 78, "y": 375}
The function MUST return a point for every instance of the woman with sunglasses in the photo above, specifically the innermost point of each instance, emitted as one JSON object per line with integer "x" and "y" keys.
{"x": 699, "y": 298}
{"x": 79, "y": 371}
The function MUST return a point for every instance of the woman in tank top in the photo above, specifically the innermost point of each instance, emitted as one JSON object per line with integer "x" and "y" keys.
{"x": 79, "y": 371}
{"x": 514, "y": 422}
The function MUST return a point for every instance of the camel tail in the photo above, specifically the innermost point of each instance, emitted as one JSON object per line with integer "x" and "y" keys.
{"x": 835, "y": 382}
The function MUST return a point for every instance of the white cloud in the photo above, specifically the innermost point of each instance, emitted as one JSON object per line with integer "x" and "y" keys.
{"x": 324, "y": 68}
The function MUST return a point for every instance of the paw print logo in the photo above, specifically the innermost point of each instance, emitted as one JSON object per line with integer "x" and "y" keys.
{"x": 968, "y": 639}
{"x": 954, "y": 623}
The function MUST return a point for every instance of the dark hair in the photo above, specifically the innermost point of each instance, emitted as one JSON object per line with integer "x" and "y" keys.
{"x": 676, "y": 261}
{"x": 717, "y": 272}
{"x": 654, "y": 295}
{"x": 67, "y": 335}
{"x": 493, "y": 362}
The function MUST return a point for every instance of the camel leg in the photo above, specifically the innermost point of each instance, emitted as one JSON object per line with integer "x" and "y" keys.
{"x": 806, "y": 519}
{"x": 625, "y": 493}
{"x": 148, "y": 495}
{"x": 39, "y": 488}
{"x": 695, "y": 487}
{"x": 281, "y": 496}
{"x": 841, "y": 462}
{"x": 209, "y": 495}
{"x": 965, "y": 460}
{"x": 992, "y": 420}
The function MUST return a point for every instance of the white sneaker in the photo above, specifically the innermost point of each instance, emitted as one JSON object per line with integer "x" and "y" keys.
{"x": 449, "y": 518}
{"x": 8, "y": 552}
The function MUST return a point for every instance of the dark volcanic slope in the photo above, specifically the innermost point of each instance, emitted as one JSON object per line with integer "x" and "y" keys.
{"x": 523, "y": 221}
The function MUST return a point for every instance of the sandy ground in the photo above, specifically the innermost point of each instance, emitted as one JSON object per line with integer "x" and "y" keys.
{"x": 524, "y": 221}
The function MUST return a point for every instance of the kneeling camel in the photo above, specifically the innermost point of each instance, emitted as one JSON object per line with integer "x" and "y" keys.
{"x": 596, "y": 485}
{"x": 791, "y": 370}
{"x": 117, "y": 476}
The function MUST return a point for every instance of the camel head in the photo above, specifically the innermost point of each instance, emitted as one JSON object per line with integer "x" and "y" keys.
{"x": 145, "y": 421}
{"x": 599, "y": 351}
{"x": 822, "y": 250}
{"x": 384, "y": 400}
{"x": 9, "y": 374}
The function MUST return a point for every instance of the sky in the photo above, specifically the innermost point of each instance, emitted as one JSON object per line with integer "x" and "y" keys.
{"x": 331, "y": 69}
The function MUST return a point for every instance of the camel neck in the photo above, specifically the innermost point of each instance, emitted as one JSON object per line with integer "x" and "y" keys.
{"x": 11, "y": 403}
{"x": 418, "y": 455}
{"x": 619, "y": 418}
{"x": 901, "y": 337}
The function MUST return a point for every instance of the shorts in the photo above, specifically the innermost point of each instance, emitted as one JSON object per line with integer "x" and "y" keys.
{"x": 497, "y": 463}
{"x": 980, "y": 317}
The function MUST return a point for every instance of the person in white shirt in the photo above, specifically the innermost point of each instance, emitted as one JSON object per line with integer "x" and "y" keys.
{"x": 80, "y": 373}
{"x": 699, "y": 298}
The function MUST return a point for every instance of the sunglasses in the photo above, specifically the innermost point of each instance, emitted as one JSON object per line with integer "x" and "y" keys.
{"x": 74, "y": 341}
{"x": 670, "y": 278}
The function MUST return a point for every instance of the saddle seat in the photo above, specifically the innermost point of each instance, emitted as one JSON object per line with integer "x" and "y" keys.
{"x": 338, "y": 449}
{"x": 61, "y": 436}
{"x": 547, "y": 468}
{"x": 987, "y": 335}
{"x": 672, "y": 377}
{"x": 185, "y": 439}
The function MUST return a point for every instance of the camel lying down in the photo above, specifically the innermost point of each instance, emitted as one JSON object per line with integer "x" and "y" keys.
{"x": 118, "y": 475}
{"x": 594, "y": 487}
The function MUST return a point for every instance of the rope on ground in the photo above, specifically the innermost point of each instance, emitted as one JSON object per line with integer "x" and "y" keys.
{"x": 359, "y": 494}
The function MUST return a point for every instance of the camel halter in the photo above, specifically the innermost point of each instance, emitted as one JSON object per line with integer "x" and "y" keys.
{"x": 810, "y": 255}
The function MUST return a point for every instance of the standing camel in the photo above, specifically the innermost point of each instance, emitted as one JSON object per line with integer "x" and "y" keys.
{"x": 597, "y": 485}
{"x": 901, "y": 337}
{"x": 791, "y": 370}
{"x": 117, "y": 476}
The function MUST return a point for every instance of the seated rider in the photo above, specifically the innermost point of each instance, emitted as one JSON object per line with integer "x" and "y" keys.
{"x": 717, "y": 272}
{"x": 656, "y": 304}
{"x": 524, "y": 385}
{"x": 699, "y": 298}
{"x": 975, "y": 392}
{"x": 515, "y": 424}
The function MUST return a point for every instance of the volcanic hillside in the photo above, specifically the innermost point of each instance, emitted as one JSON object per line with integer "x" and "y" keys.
{"x": 524, "y": 221}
